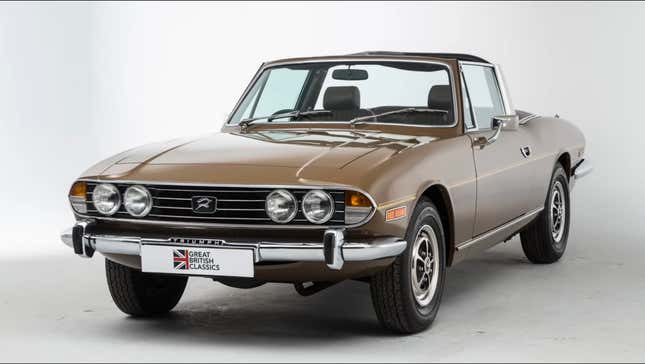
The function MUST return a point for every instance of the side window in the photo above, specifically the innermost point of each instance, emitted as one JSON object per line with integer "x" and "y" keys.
{"x": 280, "y": 92}
{"x": 485, "y": 97}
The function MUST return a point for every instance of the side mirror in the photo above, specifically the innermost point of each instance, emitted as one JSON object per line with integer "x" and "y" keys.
{"x": 508, "y": 122}
{"x": 504, "y": 122}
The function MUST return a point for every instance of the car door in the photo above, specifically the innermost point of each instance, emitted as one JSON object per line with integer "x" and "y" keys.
{"x": 503, "y": 174}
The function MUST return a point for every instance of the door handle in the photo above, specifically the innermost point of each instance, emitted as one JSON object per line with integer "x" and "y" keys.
{"x": 526, "y": 151}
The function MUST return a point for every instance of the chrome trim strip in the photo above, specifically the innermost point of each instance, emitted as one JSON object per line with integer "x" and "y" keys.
{"x": 216, "y": 225}
{"x": 499, "y": 229}
{"x": 528, "y": 118}
{"x": 266, "y": 66}
{"x": 373, "y": 249}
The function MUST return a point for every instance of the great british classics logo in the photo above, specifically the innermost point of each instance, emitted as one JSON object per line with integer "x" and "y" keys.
{"x": 186, "y": 259}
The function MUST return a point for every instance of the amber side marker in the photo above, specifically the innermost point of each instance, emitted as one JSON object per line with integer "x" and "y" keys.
{"x": 396, "y": 213}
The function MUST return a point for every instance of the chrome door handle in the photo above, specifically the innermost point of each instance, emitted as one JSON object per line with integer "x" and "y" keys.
{"x": 526, "y": 151}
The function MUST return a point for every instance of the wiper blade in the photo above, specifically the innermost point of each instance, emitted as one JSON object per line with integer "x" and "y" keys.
{"x": 246, "y": 122}
{"x": 407, "y": 110}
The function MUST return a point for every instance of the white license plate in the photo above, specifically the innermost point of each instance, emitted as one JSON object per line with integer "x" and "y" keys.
{"x": 197, "y": 261}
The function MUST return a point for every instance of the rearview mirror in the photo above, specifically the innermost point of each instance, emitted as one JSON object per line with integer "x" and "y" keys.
{"x": 508, "y": 122}
{"x": 349, "y": 74}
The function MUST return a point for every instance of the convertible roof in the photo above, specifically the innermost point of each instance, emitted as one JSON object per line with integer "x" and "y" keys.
{"x": 458, "y": 56}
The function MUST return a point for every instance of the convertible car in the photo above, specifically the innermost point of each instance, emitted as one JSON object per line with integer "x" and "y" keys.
{"x": 381, "y": 167}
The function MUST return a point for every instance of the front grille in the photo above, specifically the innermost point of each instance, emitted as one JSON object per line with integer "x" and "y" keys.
{"x": 235, "y": 205}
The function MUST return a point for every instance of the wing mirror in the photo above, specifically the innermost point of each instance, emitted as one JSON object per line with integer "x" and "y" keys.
{"x": 503, "y": 122}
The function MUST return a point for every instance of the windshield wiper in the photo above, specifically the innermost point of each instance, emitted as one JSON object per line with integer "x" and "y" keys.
{"x": 294, "y": 114}
{"x": 407, "y": 110}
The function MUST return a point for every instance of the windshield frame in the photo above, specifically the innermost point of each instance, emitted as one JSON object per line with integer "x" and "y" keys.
{"x": 267, "y": 66}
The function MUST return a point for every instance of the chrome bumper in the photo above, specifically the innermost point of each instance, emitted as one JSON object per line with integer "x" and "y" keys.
{"x": 581, "y": 169}
{"x": 333, "y": 250}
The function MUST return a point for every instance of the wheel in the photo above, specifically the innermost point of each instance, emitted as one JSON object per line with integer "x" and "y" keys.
{"x": 143, "y": 294}
{"x": 406, "y": 296}
{"x": 545, "y": 239}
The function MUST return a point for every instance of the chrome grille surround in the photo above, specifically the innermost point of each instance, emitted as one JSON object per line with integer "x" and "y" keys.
{"x": 237, "y": 205}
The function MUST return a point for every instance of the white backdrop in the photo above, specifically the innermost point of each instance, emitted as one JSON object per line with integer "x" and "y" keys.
{"x": 81, "y": 81}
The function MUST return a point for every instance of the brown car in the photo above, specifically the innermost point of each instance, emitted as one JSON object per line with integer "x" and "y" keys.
{"x": 381, "y": 167}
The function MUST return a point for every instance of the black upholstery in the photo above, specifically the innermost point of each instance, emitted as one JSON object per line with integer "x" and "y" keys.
{"x": 342, "y": 98}
{"x": 440, "y": 97}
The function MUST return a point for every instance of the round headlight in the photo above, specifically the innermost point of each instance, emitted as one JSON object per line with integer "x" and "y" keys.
{"x": 106, "y": 199}
{"x": 281, "y": 206}
{"x": 318, "y": 206}
{"x": 137, "y": 201}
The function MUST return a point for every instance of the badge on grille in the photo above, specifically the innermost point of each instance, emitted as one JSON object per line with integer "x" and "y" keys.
{"x": 204, "y": 204}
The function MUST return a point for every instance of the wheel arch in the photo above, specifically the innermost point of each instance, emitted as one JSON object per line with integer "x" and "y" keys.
{"x": 565, "y": 160}
{"x": 439, "y": 195}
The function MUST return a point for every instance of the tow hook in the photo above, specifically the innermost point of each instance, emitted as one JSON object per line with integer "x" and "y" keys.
{"x": 313, "y": 288}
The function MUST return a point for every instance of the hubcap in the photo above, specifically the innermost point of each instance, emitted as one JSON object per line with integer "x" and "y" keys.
{"x": 558, "y": 212}
{"x": 425, "y": 265}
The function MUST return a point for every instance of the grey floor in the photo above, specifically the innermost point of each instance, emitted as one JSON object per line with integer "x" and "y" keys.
{"x": 588, "y": 307}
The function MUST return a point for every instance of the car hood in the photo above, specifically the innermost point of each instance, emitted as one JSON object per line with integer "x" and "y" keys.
{"x": 270, "y": 156}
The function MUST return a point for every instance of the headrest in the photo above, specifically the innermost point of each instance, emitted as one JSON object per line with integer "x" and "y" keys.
{"x": 342, "y": 98}
{"x": 440, "y": 97}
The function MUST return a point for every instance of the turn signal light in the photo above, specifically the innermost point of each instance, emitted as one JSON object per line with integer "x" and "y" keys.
{"x": 356, "y": 199}
{"x": 79, "y": 189}
{"x": 77, "y": 197}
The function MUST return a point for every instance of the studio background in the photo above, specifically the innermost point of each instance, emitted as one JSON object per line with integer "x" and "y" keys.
{"x": 82, "y": 81}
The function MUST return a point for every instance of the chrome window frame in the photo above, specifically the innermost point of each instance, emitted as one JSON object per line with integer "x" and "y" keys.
{"x": 275, "y": 226}
{"x": 266, "y": 66}
{"x": 501, "y": 88}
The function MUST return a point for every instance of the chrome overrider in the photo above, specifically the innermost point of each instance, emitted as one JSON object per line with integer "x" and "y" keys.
{"x": 334, "y": 250}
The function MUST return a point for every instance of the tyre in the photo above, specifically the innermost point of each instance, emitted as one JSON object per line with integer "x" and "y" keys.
{"x": 406, "y": 296}
{"x": 143, "y": 294}
{"x": 545, "y": 239}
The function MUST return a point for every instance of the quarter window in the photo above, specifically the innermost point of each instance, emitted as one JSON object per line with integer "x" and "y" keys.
{"x": 485, "y": 97}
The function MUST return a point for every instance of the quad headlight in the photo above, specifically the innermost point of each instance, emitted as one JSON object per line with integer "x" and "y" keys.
{"x": 318, "y": 206}
{"x": 281, "y": 206}
{"x": 137, "y": 201}
{"x": 106, "y": 199}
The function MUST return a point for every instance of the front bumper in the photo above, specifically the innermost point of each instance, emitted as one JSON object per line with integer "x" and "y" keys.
{"x": 333, "y": 249}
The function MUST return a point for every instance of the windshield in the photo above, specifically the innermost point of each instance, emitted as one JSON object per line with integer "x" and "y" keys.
{"x": 349, "y": 91}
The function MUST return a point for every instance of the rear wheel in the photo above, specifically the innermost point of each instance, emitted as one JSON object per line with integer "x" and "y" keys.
{"x": 143, "y": 294}
{"x": 407, "y": 295}
{"x": 545, "y": 239}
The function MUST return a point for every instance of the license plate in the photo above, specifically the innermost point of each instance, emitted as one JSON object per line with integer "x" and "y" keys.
{"x": 197, "y": 261}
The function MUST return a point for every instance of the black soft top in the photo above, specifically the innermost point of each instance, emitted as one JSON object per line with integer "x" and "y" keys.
{"x": 458, "y": 56}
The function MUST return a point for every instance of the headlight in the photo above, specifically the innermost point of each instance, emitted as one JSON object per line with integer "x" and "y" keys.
{"x": 281, "y": 206}
{"x": 137, "y": 201}
{"x": 106, "y": 198}
{"x": 318, "y": 206}
{"x": 77, "y": 197}
{"x": 357, "y": 207}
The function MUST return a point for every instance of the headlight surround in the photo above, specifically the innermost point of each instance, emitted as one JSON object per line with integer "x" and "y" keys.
{"x": 137, "y": 201}
{"x": 77, "y": 197}
{"x": 106, "y": 199}
{"x": 318, "y": 206}
{"x": 281, "y": 206}
{"x": 358, "y": 207}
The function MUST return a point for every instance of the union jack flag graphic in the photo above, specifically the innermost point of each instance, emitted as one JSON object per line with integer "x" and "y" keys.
{"x": 180, "y": 259}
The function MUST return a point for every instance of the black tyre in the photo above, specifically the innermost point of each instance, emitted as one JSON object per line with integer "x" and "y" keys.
{"x": 406, "y": 296}
{"x": 143, "y": 294}
{"x": 545, "y": 239}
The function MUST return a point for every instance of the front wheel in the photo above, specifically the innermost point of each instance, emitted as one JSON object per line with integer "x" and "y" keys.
{"x": 545, "y": 239}
{"x": 406, "y": 296}
{"x": 143, "y": 294}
